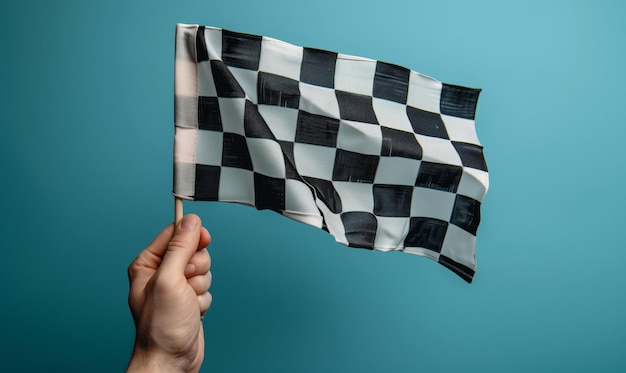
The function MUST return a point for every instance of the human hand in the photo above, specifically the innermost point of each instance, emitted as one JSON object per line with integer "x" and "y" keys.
{"x": 169, "y": 283}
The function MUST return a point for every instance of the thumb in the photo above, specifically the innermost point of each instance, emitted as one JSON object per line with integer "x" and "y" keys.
{"x": 183, "y": 245}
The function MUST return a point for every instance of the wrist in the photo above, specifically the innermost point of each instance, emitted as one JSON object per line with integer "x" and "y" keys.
{"x": 152, "y": 361}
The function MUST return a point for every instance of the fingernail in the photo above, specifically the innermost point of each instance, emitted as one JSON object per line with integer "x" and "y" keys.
{"x": 188, "y": 223}
{"x": 189, "y": 269}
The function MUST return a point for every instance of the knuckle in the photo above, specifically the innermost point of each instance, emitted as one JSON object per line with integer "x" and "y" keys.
{"x": 177, "y": 243}
{"x": 204, "y": 259}
{"x": 200, "y": 283}
{"x": 205, "y": 301}
{"x": 208, "y": 257}
{"x": 132, "y": 270}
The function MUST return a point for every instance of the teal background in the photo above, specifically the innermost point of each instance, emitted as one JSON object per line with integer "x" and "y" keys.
{"x": 85, "y": 154}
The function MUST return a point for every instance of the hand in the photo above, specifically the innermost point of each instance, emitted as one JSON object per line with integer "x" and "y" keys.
{"x": 168, "y": 296}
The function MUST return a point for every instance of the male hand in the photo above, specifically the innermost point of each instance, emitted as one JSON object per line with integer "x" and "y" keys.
{"x": 168, "y": 297}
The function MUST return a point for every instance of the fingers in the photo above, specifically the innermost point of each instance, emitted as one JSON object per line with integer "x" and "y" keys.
{"x": 201, "y": 283}
{"x": 152, "y": 255}
{"x": 158, "y": 246}
{"x": 205, "y": 239}
{"x": 182, "y": 245}
{"x": 199, "y": 264}
{"x": 205, "y": 302}
{"x": 198, "y": 272}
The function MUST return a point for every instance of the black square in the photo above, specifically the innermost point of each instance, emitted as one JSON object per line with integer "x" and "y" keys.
{"x": 426, "y": 123}
{"x": 354, "y": 167}
{"x": 439, "y": 176}
{"x": 202, "y": 53}
{"x": 458, "y": 101}
{"x": 426, "y": 233}
{"x": 290, "y": 168}
{"x": 392, "y": 200}
{"x": 225, "y": 83}
{"x": 356, "y": 107}
{"x": 326, "y": 192}
{"x": 269, "y": 193}
{"x": 466, "y": 213}
{"x": 241, "y": 50}
{"x": 398, "y": 143}
{"x": 318, "y": 67}
{"x": 471, "y": 155}
{"x": 235, "y": 151}
{"x": 277, "y": 90}
{"x": 391, "y": 82}
{"x": 209, "y": 117}
{"x": 316, "y": 129}
{"x": 253, "y": 123}
{"x": 360, "y": 229}
{"x": 207, "y": 182}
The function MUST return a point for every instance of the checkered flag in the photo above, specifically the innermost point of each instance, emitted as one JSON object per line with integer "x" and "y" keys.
{"x": 379, "y": 156}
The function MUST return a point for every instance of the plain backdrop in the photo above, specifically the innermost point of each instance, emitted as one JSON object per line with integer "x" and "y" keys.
{"x": 86, "y": 116}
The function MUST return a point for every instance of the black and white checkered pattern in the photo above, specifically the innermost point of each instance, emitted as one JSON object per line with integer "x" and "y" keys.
{"x": 378, "y": 155}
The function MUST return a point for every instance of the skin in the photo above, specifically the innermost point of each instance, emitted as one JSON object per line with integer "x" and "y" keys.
{"x": 169, "y": 283}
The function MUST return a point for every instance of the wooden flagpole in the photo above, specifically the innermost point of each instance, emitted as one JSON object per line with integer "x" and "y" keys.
{"x": 178, "y": 209}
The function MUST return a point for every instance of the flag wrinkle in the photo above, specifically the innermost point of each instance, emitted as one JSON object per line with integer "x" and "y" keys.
{"x": 288, "y": 163}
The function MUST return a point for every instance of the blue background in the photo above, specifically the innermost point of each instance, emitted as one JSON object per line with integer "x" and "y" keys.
{"x": 85, "y": 152}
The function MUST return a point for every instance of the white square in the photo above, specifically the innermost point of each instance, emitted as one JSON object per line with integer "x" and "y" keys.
{"x": 267, "y": 157}
{"x": 314, "y": 220}
{"x": 319, "y": 100}
{"x": 424, "y": 92}
{"x": 397, "y": 171}
{"x": 355, "y": 196}
{"x": 422, "y": 252}
{"x": 247, "y": 80}
{"x": 185, "y": 144}
{"x": 359, "y": 137}
{"x": 184, "y": 180}
{"x": 213, "y": 41}
{"x": 280, "y": 58}
{"x": 314, "y": 160}
{"x": 299, "y": 199}
{"x": 209, "y": 148}
{"x": 460, "y": 129}
{"x": 355, "y": 74}
{"x": 185, "y": 36}
{"x": 231, "y": 112}
{"x": 438, "y": 150}
{"x": 474, "y": 183}
{"x": 431, "y": 203}
{"x": 392, "y": 114}
{"x": 282, "y": 121}
{"x": 333, "y": 223}
{"x": 236, "y": 185}
{"x": 390, "y": 233}
{"x": 185, "y": 78}
{"x": 459, "y": 246}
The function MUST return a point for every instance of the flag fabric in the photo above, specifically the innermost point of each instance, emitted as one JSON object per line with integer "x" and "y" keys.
{"x": 379, "y": 156}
